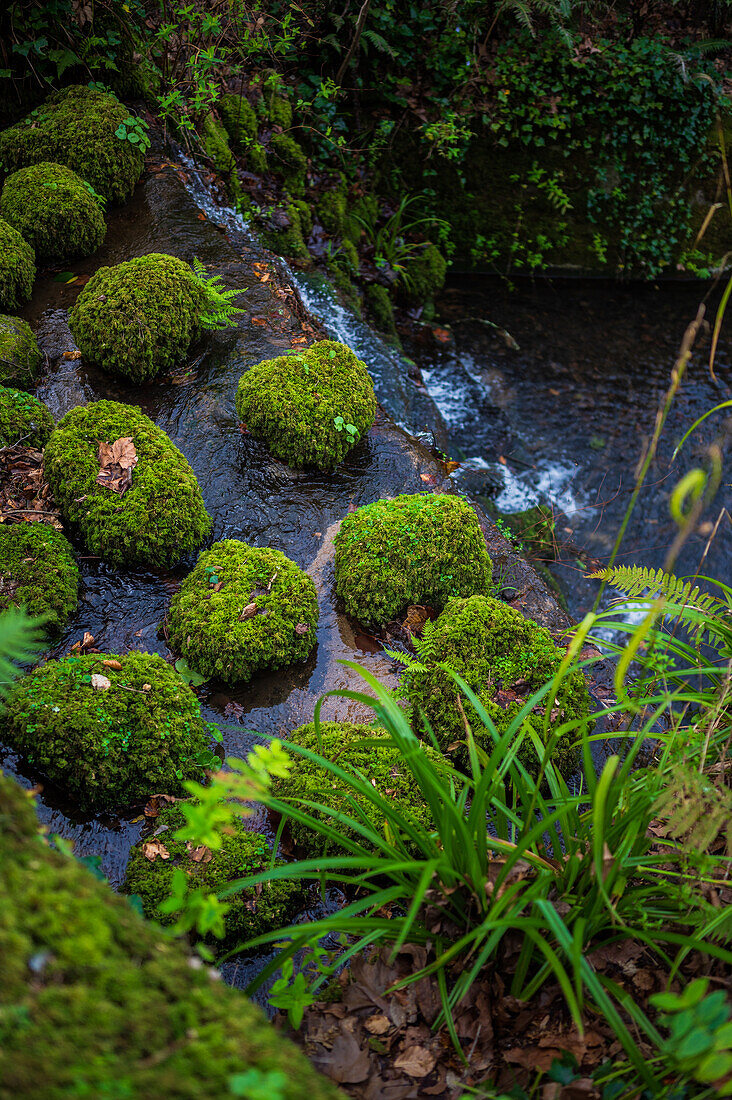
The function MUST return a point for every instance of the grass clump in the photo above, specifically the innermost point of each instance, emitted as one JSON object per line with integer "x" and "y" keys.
{"x": 355, "y": 748}
{"x": 118, "y": 1010}
{"x": 109, "y": 746}
{"x": 241, "y": 853}
{"x": 20, "y": 357}
{"x": 17, "y": 268}
{"x": 83, "y": 128}
{"x": 420, "y": 549}
{"x": 139, "y": 317}
{"x": 54, "y": 210}
{"x": 242, "y": 609}
{"x": 158, "y": 520}
{"x": 309, "y": 407}
{"x": 38, "y": 572}
{"x": 504, "y": 658}
{"x": 23, "y": 418}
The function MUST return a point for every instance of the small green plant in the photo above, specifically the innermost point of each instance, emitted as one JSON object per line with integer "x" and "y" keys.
{"x": 134, "y": 130}
{"x": 340, "y": 425}
{"x": 218, "y": 311}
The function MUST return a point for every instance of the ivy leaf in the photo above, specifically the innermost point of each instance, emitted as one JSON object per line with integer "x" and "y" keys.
{"x": 121, "y": 131}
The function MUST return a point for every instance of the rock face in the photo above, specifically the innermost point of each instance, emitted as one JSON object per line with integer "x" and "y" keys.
{"x": 111, "y": 1006}
{"x": 54, "y": 210}
{"x": 38, "y": 572}
{"x": 158, "y": 518}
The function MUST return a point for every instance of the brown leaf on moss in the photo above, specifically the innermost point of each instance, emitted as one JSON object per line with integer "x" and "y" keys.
{"x": 302, "y": 628}
{"x": 155, "y": 804}
{"x": 116, "y": 463}
{"x": 249, "y": 611}
{"x": 117, "y": 665}
{"x": 151, "y": 849}
{"x": 199, "y": 854}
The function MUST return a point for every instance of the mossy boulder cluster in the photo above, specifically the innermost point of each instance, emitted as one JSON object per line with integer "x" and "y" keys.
{"x": 20, "y": 357}
{"x": 17, "y": 268}
{"x": 504, "y": 658}
{"x": 241, "y": 610}
{"x": 353, "y": 747}
{"x": 242, "y": 853}
{"x": 23, "y": 418}
{"x": 310, "y": 407}
{"x": 139, "y": 317}
{"x": 96, "y": 1003}
{"x": 54, "y": 210}
{"x": 158, "y": 520}
{"x": 38, "y": 572}
{"x": 420, "y": 549}
{"x": 109, "y": 730}
{"x": 79, "y": 127}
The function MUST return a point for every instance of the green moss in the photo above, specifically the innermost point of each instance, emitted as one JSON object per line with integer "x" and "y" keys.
{"x": 115, "y": 747}
{"x": 215, "y": 141}
{"x": 114, "y": 1009}
{"x": 381, "y": 308}
{"x": 256, "y": 158}
{"x": 331, "y": 209}
{"x": 242, "y": 853}
{"x": 534, "y": 528}
{"x": 278, "y": 109}
{"x": 425, "y": 274}
{"x": 20, "y": 357}
{"x": 306, "y": 216}
{"x": 76, "y": 127}
{"x": 23, "y": 418}
{"x": 240, "y": 121}
{"x": 290, "y": 162}
{"x": 38, "y": 572}
{"x": 205, "y": 622}
{"x": 53, "y": 209}
{"x": 419, "y": 549}
{"x": 302, "y": 404}
{"x": 504, "y": 658}
{"x": 288, "y": 240}
{"x": 360, "y": 748}
{"x": 139, "y": 317}
{"x": 158, "y": 520}
{"x": 17, "y": 268}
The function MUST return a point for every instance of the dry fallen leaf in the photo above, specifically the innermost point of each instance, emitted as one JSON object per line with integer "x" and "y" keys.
{"x": 155, "y": 804}
{"x": 249, "y": 611}
{"x": 151, "y": 849}
{"x": 146, "y": 687}
{"x": 71, "y": 354}
{"x": 99, "y": 682}
{"x": 378, "y": 1024}
{"x": 116, "y": 463}
{"x": 117, "y": 665}
{"x": 416, "y": 1061}
{"x": 302, "y": 628}
{"x": 200, "y": 854}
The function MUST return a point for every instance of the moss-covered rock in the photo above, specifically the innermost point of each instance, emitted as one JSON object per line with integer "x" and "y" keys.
{"x": 381, "y": 308}
{"x": 332, "y": 209}
{"x": 288, "y": 239}
{"x": 215, "y": 141}
{"x": 310, "y": 407}
{"x": 114, "y": 1009}
{"x": 534, "y": 529}
{"x": 78, "y": 127}
{"x": 256, "y": 158}
{"x": 139, "y": 317}
{"x": 114, "y": 742}
{"x": 420, "y": 549}
{"x": 242, "y": 609}
{"x": 158, "y": 520}
{"x": 38, "y": 572}
{"x": 20, "y": 357}
{"x": 54, "y": 210}
{"x": 242, "y": 853}
{"x": 504, "y": 658}
{"x": 240, "y": 121}
{"x": 17, "y": 268}
{"x": 277, "y": 108}
{"x": 23, "y": 418}
{"x": 290, "y": 162}
{"x": 425, "y": 274}
{"x": 361, "y": 748}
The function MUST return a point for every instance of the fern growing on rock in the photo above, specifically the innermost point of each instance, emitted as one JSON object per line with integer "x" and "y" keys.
{"x": 219, "y": 310}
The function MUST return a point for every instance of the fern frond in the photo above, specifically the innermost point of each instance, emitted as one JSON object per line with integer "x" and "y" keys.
{"x": 636, "y": 580}
{"x": 425, "y": 645}
{"x": 695, "y": 811}
{"x": 380, "y": 43}
{"x": 218, "y": 311}
{"x": 21, "y": 640}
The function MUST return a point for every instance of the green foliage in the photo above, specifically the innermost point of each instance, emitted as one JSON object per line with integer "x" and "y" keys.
{"x": 531, "y": 530}
{"x": 134, "y": 130}
{"x": 114, "y": 1009}
{"x": 240, "y": 121}
{"x": 17, "y": 268}
{"x": 218, "y": 311}
{"x": 21, "y": 640}
{"x": 140, "y": 317}
{"x": 424, "y": 273}
{"x": 419, "y": 549}
{"x": 419, "y": 267}
{"x": 381, "y": 308}
{"x": 52, "y": 208}
{"x": 242, "y": 609}
{"x": 505, "y": 659}
{"x": 23, "y": 418}
{"x": 158, "y": 520}
{"x": 289, "y": 161}
{"x": 38, "y": 572}
{"x": 292, "y": 403}
{"x": 77, "y": 127}
{"x": 20, "y": 357}
{"x": 241, "y": 853}
{"x": 699, "y": 1043}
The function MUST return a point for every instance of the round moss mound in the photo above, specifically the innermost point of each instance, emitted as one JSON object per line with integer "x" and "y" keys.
{"x": 310, "y": 407}
{"x": 158, "y": 520}
{"x": 353, "y": 747}
{"x": 242, "y": 609}
{"x": 242, "y": 853}
{"x": 81, "y": 128}
{"x": 109, "y": 746}
{"x": 116, "y": 1010}
{"x": 504, "y": 658}
{"x": 17, "y": 268}
{"x": 20, "y": 357}
{"x": 419, "y": 549}
{"x": 38, "y": 572}
{"x": 139, "y": 317}
{"x": 23, "y": 419}
{"x": 53, "y": 209}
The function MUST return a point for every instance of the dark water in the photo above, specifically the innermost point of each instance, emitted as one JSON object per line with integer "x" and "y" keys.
{"x": 580, "y": 395}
